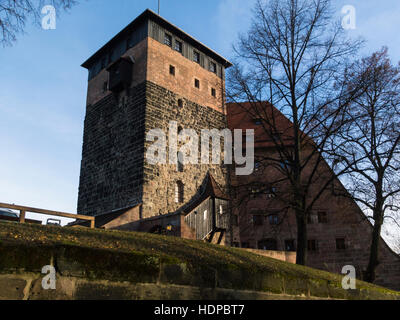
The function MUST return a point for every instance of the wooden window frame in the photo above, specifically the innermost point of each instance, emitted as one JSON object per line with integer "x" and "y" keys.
{"x": 168, "y": 40}
{"x": 196, "y": 54}
{"x": 178, "y": 46}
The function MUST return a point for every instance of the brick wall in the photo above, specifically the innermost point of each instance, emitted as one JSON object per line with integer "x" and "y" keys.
{"x": 161, "y": 56}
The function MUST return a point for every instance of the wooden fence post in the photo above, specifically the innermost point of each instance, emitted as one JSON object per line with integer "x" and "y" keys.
{"x": 22, "y": 216}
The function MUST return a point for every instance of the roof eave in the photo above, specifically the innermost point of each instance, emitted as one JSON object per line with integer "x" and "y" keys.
{"x": 145, "y": 15}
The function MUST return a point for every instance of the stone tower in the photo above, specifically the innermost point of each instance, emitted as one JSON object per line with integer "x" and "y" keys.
{"x": 149, "y": 74}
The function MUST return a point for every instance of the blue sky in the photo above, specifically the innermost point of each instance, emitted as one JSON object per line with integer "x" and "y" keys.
{"x": 43, "y": 87}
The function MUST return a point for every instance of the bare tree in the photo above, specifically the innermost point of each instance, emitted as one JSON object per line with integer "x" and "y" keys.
{"x": 14, "y": 14}
{"x": 370, "y": 144}
{"x": 291, "y": 57}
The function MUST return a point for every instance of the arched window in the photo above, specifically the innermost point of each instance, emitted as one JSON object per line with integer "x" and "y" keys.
{"x": 179, "y": 192}
{"x": 180, "y": 166}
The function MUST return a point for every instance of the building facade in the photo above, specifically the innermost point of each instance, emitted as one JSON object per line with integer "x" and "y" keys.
{"x": 337, "y": 230}
{"x": 152, "y": 75}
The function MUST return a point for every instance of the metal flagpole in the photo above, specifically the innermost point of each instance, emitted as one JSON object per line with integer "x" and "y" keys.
{"x": 158, "y": 7}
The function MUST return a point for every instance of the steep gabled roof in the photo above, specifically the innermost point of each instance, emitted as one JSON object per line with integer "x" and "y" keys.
{"x": 209, "y": 188}
{"x": 243, "y": 115}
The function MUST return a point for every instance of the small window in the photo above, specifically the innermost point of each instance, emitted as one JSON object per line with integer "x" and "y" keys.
{"x": 180, "y": 167}
{"x": 258, "y": 220}
{"x": 172, "y": 70}
{"x": 205, "y": 215}
{"x": 311, "y": 218}
{"x": 221, "y": 209}
{"x": 255, "y": 192}
{"x": 289, "y": 245}
{"x": 130, "y": 41}
{"x": 179, "y": 192}
{"x": 258, "y": 122}
{"x": 196, "y": 57}
{"x": 180, "y": 103}
{"x": 312, "y": 245}
{"x": 178, "y": 46}
{"x": 322, "y": 217}
{"x": 273, "y": 219}
{"x": 168, "y": 40}
{"x": 197, "y": 83}
{"x": 340, "y": 244}
{"x": 268, "y": 244}
{"x": 213, "y": 67}
{"x": 271, "y": 193}
{"x": 213, "y": 92}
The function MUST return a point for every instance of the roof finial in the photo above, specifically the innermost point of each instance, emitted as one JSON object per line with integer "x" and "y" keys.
{"x": 158, "y": 7}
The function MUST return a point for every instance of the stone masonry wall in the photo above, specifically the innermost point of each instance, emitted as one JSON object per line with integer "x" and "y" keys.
{"x": 112, "y": 157}
{"x": 159, "y": 180}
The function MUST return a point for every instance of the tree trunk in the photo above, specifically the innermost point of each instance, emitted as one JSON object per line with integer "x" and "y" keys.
{"x": 301, "y": 220}
{"x": 374, "y": 251}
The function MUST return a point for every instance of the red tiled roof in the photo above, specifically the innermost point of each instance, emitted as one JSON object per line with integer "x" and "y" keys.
{"x": 243, "y": 115}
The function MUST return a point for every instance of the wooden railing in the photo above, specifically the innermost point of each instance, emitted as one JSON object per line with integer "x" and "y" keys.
{"x": 24, "y": 210}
